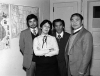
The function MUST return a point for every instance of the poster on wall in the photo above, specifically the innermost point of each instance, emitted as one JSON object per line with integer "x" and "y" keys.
{"x": 18, "y": 16}
{"x": 4, "y": 26}
{"x": 13, "y": 21}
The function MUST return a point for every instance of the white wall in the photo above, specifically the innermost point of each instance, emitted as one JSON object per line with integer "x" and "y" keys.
{"x": 11, "y": 59}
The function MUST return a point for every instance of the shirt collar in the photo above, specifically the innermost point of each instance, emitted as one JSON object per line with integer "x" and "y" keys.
{"x": 61, "y": 34}
{"x": 44, "y": 35}
{"x": 77, "y": 29}
{"x": 31, "y": 29}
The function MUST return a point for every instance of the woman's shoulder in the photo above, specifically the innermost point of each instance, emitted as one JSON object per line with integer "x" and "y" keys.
{"x": 50, "y": 36}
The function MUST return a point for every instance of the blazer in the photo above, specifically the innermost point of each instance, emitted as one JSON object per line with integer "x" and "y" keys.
{"x": 62, "y": 44}
{"x": 80, "y": 53}
{"x": 26, "y": 47}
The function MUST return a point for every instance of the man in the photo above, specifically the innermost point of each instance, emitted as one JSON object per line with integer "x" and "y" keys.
{"x": 26, "y": 44}
{"x": 80, "y": 47}
{"x": 62, "y": 38}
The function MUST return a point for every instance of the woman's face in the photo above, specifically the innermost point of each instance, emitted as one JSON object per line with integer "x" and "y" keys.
{"x": 45, "y": 28}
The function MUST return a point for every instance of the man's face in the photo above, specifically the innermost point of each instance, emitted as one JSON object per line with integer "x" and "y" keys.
{"x": 76, "y": 22}
{"x": 58, "y": 27}
{"x": 32, "y": 23}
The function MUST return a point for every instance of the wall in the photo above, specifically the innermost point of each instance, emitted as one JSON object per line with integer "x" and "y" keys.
{"x": 11, "y": 59}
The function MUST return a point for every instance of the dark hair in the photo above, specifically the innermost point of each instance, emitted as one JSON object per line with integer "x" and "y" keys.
{"x": 76, "y": 14}
{"x": 46, "y": 21}
{"x": 49, "y": 22}
{"x": 59, "y": 20}
{"x": 30, "y": 17}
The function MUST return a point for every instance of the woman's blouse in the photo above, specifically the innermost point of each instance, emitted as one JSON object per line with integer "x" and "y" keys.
{"x": 45, "y": 46}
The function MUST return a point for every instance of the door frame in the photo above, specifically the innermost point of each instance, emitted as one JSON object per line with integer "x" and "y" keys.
{"x": 85, "y": 7}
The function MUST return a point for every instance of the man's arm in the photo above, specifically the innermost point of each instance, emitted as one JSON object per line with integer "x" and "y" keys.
{"x": 87, "y": 49}
{"x": 21, "y": 42}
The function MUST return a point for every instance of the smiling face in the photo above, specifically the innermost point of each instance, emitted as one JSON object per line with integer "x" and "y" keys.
{"x": 45, "y": 28}
{"x": 32, "y": 23}
{"x": 76, "y": 22}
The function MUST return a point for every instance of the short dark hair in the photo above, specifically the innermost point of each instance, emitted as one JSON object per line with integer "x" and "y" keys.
{"x": 30, "y": 17}
{"x": 46, "y": 21}
{"x": 49, "y": 22}
{"x": 76, "y": 14}
{"x": 59, "y": 20}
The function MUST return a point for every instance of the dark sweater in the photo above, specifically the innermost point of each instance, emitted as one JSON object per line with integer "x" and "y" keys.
{"x": 62, "y": 43}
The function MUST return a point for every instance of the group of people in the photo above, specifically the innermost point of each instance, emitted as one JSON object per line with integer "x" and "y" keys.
{"x": 54, "y": 52}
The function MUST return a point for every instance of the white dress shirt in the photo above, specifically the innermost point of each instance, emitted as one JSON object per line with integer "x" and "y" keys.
{"x": 36, "y": 30}
{"x": 50, "y": 48}
{"x": 77, "y": 29}
{"x": 61, "y": 34}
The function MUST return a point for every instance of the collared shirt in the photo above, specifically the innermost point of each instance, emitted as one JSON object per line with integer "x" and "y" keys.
{"x": 61, "y": 34}
{"x": 77, "y": 29}
{"x": 51, "y": 43}
{"x": 36, "y": 30}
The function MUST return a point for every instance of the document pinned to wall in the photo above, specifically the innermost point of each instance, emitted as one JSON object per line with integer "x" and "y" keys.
{"x": 18, "y": 16}
{"x": 4, "y": 26}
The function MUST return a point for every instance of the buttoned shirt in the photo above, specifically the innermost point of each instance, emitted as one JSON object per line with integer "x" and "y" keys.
{"x": 50, "y": 47}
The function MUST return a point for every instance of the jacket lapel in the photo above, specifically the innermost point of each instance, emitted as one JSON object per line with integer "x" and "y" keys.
{"x": 64, "y": 35}
{"x": 67, "y": 45}
{"x": 29, "y": 36}
{"x": 77, "y": 37}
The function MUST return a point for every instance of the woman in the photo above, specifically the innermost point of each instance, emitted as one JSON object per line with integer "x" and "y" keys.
{"x": 45, "y": 48}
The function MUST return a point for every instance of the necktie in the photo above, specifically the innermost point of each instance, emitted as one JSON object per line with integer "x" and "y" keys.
{"x": 34, "y": 31}
{"x": 44, "y": 40}
{"x": 59, "y": 36}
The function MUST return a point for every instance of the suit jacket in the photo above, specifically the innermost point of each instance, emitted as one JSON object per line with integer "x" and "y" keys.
{"x": 26, "y": 47}
{"x": 80, "y": 53}
{"x": 62, "y": 43}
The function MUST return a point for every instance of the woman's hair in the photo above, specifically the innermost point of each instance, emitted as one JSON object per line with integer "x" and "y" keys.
{"x": 30, "y": 17}
{"x": 49, "y": 22}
